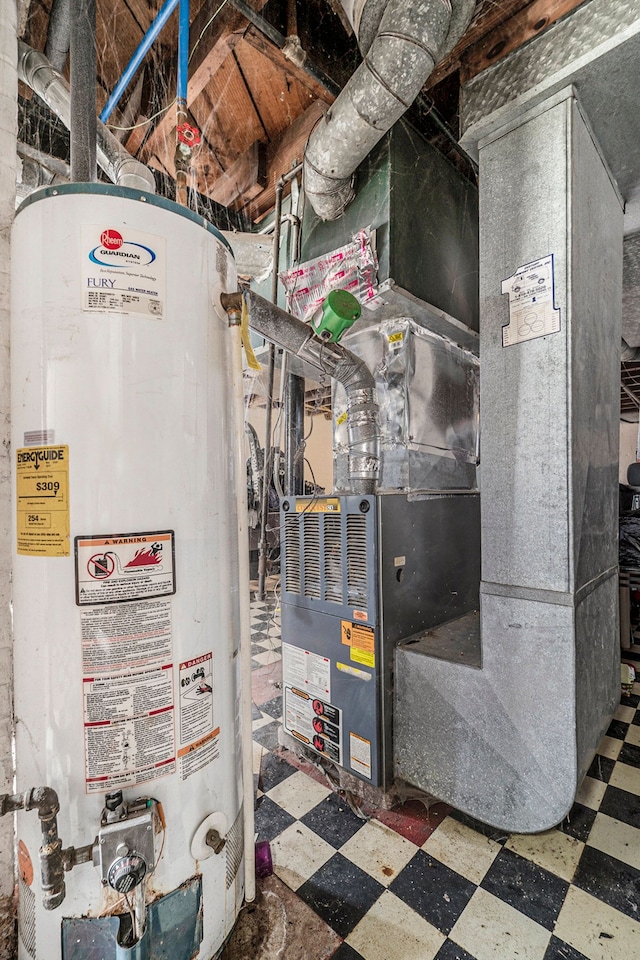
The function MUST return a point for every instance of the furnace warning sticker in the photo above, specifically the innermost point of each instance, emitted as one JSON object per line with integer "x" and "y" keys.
{"x": 366, "y": 657}
{"x": 123, "y": 271}
{"x": 360, "y": 755}
{"x": 122, "y": 567}
{"x": 314, "y": 722}
{"x": 307, "y": 671}
{"x": 42, "y": 501}
{"x": 331, "y": 505}
{"x": 355, "y": 635}
{"x": 532, "y": 312}
{"x": 128, "y": 728}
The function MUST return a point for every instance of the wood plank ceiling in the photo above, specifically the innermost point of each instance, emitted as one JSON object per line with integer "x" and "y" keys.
{"x": 254, "y": 107}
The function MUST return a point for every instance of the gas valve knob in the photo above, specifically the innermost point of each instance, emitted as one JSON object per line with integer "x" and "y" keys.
{"x": 127, "y": 872}
{"x": 113, "y": 800}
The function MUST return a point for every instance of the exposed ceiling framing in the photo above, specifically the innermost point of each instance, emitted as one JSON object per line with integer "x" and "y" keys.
{"x": 255, "y": 107}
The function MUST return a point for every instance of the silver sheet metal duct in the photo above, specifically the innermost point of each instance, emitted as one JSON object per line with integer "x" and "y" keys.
{"x": 629, "y": 354}
{"x": 510, "y": 740}
{"x": 428, "y": 408}
{"x": 401, "y": 41}
{"x": 336, "y": 361}
{"x": 124, "y": 170}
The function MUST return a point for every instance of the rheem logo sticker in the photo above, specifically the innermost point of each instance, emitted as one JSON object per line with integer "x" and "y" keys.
{"x": 111, "y": 239}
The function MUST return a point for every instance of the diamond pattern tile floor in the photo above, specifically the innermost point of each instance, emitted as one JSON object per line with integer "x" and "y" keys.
{"x": 433, "y": 884}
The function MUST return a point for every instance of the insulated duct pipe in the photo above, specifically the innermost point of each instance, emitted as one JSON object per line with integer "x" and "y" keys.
{"x": 122, "y": 169}
{"x": 58, "y": 34}
{"x": 411, "y": 37}
{"x": 84, "y": 123}
{"x": 336, "y": 361}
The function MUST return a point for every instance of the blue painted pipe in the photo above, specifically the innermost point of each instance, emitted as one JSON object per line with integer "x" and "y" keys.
{"x": 163, "y": 15}
{"x": 183, "y": 51}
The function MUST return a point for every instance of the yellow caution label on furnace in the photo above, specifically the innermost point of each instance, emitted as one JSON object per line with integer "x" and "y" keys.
{"x": 366, "y": 657}
{"x": 42, "y": 501}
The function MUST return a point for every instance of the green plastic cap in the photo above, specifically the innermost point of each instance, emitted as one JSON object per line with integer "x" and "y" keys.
{"x": 339, "y": 311}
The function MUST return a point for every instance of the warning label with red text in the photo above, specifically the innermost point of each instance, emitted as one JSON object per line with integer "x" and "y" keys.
{"x": 199, "y": 741}
{"x": 122, "y": 567}
{"x": 128, "y": 728}
{"x": 126, "y": 636}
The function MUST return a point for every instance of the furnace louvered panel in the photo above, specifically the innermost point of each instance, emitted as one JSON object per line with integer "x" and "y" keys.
{"x": 328, "y": 555}
{"x": 312, "y": 573}
{"x": 357, "y": 580}
{"x": 333, "y": 566}
{"x": 291, "y": 541}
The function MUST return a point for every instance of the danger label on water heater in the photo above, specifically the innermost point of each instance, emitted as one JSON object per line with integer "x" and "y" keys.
{"x": 123, "y": 271}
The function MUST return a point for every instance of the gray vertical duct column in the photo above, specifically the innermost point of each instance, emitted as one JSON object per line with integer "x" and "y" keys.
{"x": 294, "y": 450}
{"x": 509, "y": 742}
{"x": 58, "y": 34}
{"x": 83, "y": 91}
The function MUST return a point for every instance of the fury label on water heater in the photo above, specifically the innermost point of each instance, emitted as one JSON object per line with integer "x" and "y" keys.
{"x": 123, "y": 271}
{"x": 42, "y": 501}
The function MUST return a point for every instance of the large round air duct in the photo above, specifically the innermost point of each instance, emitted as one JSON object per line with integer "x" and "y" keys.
{"x": 401, "y": 42}
{"x": 125, "y": 575}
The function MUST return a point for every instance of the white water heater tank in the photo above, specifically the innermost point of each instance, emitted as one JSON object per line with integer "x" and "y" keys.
{"x": 125, "y": 574}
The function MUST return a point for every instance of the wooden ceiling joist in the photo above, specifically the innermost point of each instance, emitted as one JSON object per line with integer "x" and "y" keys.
{"x": 497, "y": 30}
{"x": 215, "y": 32}
{"x": 282, "y": 155}
{"x": 245, "y": 179}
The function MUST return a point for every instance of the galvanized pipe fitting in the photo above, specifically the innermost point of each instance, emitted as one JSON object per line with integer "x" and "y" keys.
{"x": 337, "y": 362}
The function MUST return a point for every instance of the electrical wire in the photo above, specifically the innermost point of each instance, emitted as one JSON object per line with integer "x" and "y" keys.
{"x": 132, "y": 914}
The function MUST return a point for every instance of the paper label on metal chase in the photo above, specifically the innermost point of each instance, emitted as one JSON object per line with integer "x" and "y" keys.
{"x": 123, "y": 271}
{"x": 42, "y": 501}
{"x": 532, "y": 312}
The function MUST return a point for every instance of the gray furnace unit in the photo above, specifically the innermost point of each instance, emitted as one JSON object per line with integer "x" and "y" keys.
{"x": 359, "y": 575}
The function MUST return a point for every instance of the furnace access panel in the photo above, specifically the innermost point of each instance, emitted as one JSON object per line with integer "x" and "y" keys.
{"x": 331, "y": 667}
{"x": 359, "y": 574}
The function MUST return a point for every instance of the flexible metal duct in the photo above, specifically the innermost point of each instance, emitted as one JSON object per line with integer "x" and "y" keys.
{"x": 629, "y": 354}
{"x": 410, "y": 37}
{"x": 335, "y": 360}
{"x": 124, "y": 170}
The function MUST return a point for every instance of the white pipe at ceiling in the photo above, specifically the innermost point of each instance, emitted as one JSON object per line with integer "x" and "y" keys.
{"x": 124, "y": 170}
